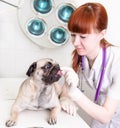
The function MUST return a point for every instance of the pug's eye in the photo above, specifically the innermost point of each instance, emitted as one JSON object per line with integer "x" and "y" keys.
{"x": 47, "y": 66}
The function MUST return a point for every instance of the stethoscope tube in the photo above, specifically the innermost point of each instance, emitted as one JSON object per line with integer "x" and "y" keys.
{"x": 101, "y": 75}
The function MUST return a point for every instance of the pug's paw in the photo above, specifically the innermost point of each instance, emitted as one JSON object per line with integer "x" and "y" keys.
{"x": 10, "y": 123}
{"x": 52, "y": 120}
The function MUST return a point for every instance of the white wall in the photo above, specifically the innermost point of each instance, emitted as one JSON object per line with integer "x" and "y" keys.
{"x": 17, "y": 52}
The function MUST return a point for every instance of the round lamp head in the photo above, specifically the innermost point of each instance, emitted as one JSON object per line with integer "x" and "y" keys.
{"x": 58, "y": 35}
{"x": 42, "y": 6}
{"x": 36, "y": 27}
{"x": 64, "y": 12}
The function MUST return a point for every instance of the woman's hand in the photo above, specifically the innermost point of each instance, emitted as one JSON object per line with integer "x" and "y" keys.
{"x": 71, "y": 77}
{"x": 68, "y": 105}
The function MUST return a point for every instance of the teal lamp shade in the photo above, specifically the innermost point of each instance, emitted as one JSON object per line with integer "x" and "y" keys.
{"x": 65, "y": 12}
{"x": 36, "y": 27}
{"x": 42, "y": 6}
{"x": 58, "y": 35}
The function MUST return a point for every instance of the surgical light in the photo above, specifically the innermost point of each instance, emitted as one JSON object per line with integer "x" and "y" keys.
{"x": 44, "y": 22}
{"x": 42, "y": 6}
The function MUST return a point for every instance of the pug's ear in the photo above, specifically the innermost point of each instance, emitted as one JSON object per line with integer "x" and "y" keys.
{"x": 31, "y": 69}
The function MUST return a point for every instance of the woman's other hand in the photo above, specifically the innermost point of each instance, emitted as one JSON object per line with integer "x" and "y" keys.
{"x": 68, "y": 105}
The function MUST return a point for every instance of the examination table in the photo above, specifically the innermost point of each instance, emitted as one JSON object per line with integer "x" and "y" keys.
{"x": 31, "y": 119}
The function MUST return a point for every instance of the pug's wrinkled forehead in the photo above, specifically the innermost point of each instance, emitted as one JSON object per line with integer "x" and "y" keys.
{"x": 46, "y": 62}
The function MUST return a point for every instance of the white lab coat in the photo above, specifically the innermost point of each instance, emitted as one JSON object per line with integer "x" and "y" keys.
{"x": 110, "y": 84}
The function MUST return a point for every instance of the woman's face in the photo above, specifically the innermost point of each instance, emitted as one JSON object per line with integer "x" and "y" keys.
{"x": 87, "y": 44}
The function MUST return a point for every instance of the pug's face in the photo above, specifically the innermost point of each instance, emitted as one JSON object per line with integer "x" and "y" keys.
{"x": 46, "y": 70}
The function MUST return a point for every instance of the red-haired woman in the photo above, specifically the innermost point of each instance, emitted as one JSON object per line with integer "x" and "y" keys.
{"x": 96, "y": 62}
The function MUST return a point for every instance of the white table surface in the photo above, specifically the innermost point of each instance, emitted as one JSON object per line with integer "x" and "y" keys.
{"x": 31, "y": 119}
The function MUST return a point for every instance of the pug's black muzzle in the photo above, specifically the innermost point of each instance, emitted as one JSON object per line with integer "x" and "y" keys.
{"x": 52, "y": 75}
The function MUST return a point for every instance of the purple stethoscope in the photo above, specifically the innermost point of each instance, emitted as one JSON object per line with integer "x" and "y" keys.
{"x": 101, "y": 75}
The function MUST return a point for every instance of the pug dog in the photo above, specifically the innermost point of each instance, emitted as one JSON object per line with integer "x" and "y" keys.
{"x": 38, "y": 91}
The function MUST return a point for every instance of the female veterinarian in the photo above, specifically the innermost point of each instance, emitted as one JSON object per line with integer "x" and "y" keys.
{"x": 96, "y": 62}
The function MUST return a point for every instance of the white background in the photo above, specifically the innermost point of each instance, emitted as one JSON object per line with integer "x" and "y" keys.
{"x": 17, "y": 52}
